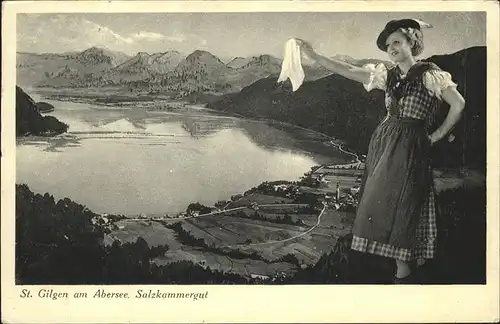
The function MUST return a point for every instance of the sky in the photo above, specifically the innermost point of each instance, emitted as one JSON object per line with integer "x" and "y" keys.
{"x": 228, "y": 35}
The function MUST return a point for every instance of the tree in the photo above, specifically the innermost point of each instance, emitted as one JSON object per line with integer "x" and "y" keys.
{"x": 236, "y": 197}
{"x": 197, "y": 207}
{"x": 220, "y": 204}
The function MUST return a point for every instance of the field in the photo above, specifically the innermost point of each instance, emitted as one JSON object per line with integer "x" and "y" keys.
{"x": 259, "y": 198}
{"x": 224, "y": 263}
{"x": 211, "y": 229}
{"x": 262, "y": 237}
{"x": 153, "y": 232}
{"x": 308, "y": 248}
{"x": 232, "y": 232}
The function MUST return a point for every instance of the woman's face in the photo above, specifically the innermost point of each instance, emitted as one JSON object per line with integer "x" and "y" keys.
{"x": 398, "y": 47}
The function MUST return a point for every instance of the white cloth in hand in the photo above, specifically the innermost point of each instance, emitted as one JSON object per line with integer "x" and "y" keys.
{"x": 291, "y": 68}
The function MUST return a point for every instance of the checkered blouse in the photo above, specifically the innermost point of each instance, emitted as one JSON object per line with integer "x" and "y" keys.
{"x": 420, "y": 97}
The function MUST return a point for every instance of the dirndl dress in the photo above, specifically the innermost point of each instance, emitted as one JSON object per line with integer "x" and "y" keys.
{"x": 396, "y": 214}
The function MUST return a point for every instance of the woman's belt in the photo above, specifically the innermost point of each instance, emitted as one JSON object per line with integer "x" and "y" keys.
{"x": 400, "y": 119}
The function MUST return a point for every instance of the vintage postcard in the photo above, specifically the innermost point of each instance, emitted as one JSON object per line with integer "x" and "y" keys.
{"x": 250, "y": 161}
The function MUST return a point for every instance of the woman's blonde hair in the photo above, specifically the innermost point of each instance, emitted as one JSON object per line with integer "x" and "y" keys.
{"x": 416, "y": 39}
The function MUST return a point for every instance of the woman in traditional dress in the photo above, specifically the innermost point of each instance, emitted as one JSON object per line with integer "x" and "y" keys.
{"x": 396, "y": 216}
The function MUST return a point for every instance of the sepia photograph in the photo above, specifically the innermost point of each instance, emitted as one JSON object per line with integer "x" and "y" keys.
{"x": 258, "y": 148}
{"x": 147, "y": 156}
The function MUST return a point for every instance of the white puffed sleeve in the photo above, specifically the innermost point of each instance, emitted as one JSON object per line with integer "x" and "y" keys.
{"x": 436, "y": 81}
{"x": 378, "y": 76}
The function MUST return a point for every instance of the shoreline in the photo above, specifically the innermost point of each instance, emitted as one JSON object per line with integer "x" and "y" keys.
{"x": 328, "y": 140}
{"x": 332, "y": 140}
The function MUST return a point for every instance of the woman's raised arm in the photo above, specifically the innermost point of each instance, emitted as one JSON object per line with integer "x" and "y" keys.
{"x": 347, "y": 70}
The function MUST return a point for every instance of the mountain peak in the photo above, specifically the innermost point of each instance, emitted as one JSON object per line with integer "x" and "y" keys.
{"x": 200, "y": 52}
{"x": 262, "y": 60}
{"x": 144, "y": 65}
{"x": 200, "y": 56}
{"x": 94, "y": 50}
{"x": 94, "y": 56}
{"x": 99, "y": 48}
{"x": 167, "y": 61}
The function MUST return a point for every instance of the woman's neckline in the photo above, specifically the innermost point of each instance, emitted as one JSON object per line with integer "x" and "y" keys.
{"x": 400, "y": 72}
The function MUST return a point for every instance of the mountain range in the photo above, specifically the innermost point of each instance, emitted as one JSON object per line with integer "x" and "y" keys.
{"x": 142, "y": 66}
{"x": 63, "y": 69}
{"x": 169, "y": 71}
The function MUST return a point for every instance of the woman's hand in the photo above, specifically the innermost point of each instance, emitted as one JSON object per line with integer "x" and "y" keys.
{"x": 457, "y": 103}
{"x": 306, "y": 48}
{"x": 336, "y": 66}
{"x": 432, "y": 139}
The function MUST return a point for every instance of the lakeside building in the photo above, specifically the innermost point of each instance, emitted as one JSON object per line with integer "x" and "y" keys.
{"x": 357, "y": 165}
{"x": 281, "y": 187}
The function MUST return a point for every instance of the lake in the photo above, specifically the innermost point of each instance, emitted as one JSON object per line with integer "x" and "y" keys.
{"x": 157, "y": 157}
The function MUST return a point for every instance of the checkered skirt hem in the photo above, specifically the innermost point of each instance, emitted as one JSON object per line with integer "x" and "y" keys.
{"x": 425, "y": 240}
{"x": 363, "y": 245}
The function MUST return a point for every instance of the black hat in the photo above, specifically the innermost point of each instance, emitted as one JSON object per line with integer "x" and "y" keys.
{"x": 391, "y": 27}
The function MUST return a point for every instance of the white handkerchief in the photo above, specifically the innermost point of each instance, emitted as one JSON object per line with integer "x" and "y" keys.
{"x": 291, "y": 68}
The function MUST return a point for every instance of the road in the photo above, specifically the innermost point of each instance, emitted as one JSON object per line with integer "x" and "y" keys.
{"x": 339, "y": 147}
{"x": 220, "y": 212}
{"x": 285, "y": 240}
{"x": 191, "y": 217}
